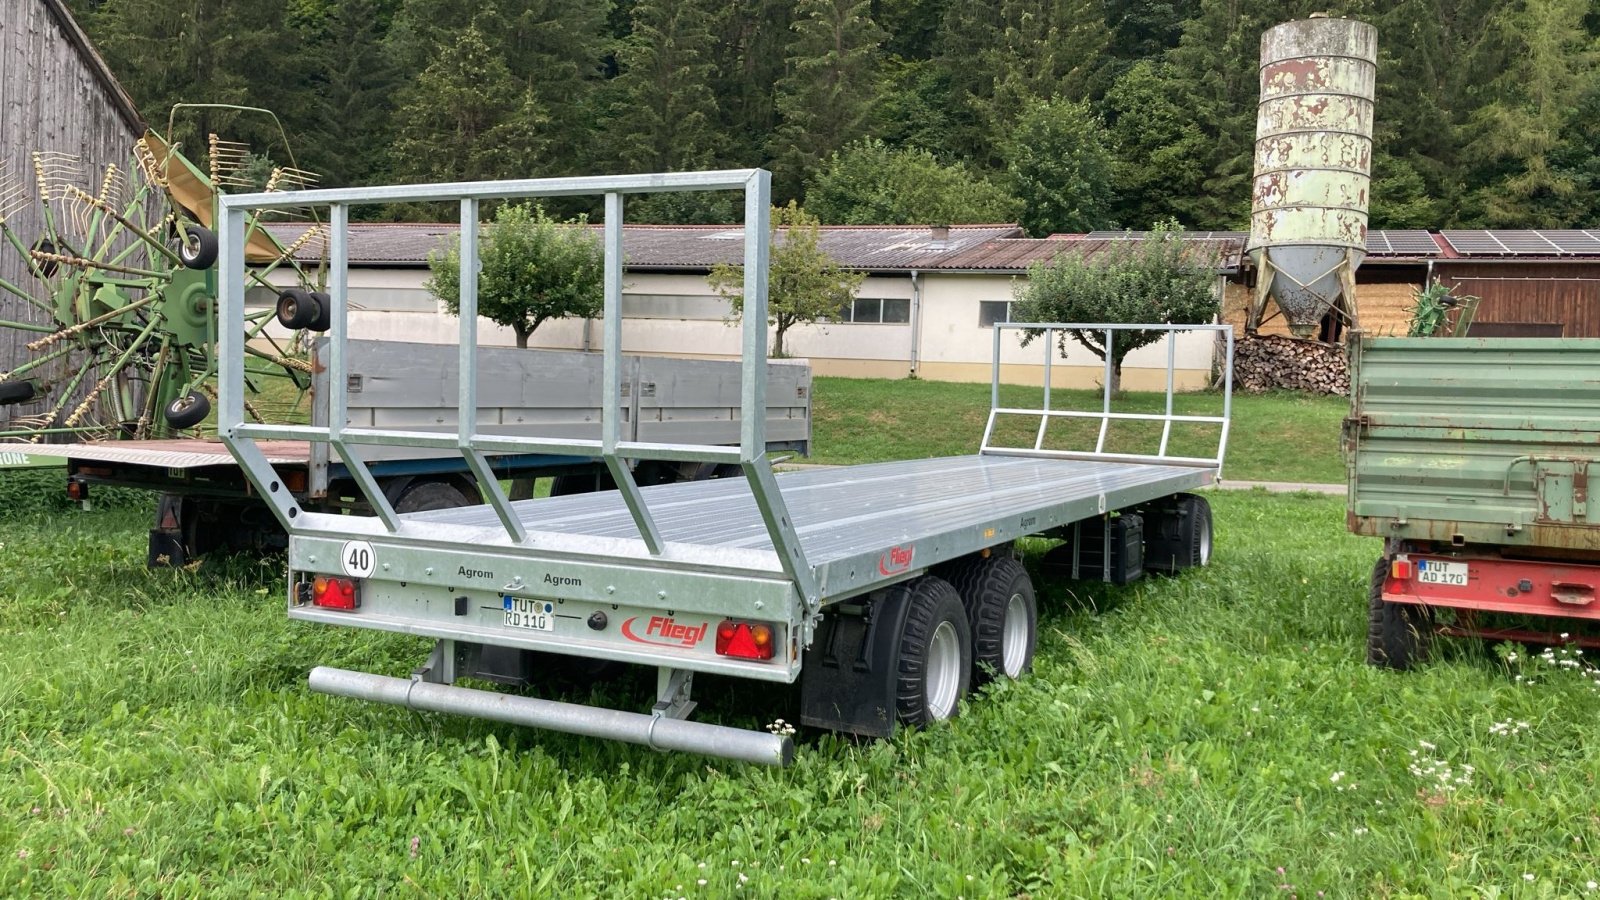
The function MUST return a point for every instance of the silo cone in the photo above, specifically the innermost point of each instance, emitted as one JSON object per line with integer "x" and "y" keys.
{"x": 1313, "y": 159}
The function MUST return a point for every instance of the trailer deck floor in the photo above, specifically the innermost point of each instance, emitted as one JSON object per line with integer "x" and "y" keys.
{"x": 838, "y": 512}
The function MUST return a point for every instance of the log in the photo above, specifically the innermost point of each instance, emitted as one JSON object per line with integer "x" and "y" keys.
{"x": 1270, "y": 362}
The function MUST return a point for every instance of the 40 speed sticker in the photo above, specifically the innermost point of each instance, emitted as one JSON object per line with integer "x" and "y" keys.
{"x": 358, "y": 559}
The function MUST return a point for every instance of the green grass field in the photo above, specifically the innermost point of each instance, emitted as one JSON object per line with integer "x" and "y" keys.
{"x": 1274, "y": 437}
{"x": 1211, "y": 734}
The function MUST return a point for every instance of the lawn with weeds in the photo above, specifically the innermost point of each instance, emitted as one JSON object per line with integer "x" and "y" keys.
{"x": 1215, "y": 733}
{"x": 1274, "y": 437}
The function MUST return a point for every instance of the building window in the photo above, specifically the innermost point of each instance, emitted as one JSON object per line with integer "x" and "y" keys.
{"x": 874, "y": 310}
{"x": 992, "y": 311}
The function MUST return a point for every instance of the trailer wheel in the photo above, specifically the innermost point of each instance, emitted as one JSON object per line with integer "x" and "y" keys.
{"x": 188, "y": 411}
{"x": 1002, "y": 613}
{"x": 425, "y": 495}
{"x": 1398, "y": 634}
{"x": 297, "y": 309}
{"x": 935, "y": 657}
{"x": 198, "y": 249}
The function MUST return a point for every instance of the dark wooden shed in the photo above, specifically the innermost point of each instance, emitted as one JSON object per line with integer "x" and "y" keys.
{"x": 56, "y": 96}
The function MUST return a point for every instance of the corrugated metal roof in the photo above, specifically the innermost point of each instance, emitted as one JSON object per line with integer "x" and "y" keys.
{"x": 1017, "y": 254}
{"x": 694, "y": 247}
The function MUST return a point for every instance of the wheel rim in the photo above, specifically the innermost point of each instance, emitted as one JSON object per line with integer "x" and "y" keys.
{"x": 944, "y": 671}
{"x": 1014, "y": 637}
{"x": 1205, "y": 544}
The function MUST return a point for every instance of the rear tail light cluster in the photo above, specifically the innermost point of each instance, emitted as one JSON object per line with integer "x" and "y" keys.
{"x": 744, "y": 640}
{"x": 330, "y": 592}
{"x": 1400, "y": 569}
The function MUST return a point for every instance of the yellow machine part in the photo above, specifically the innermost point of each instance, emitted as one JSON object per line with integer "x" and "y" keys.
{"x": 191, "y": 189}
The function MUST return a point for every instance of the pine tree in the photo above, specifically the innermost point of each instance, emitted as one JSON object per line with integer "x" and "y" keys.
{"x": 466, "y": 118}
{"x": 828, "y": 94}
{"x": 1162, "y": 150}
{"x": 751, "y": 40}
{"x": 662, "y": 113}
{"x": 1542, "y": 61}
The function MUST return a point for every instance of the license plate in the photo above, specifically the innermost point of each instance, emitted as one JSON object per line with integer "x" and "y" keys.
{"x": 1433, "y": 571}
{"x": 524, "y": 612}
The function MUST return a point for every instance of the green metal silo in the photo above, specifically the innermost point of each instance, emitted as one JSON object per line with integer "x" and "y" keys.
{"x": 1313, "y": 158}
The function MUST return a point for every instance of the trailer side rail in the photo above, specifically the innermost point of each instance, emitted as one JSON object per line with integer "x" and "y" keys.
{"x": 1045, "y": 413}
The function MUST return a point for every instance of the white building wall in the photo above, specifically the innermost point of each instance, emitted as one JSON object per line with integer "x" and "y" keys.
{"x": 672, "y": 314}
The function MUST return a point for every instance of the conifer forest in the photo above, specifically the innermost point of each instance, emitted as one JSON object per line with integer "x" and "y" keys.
{"x": 1063, "y": 115}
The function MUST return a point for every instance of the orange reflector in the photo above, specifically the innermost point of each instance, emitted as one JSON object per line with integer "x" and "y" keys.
{"x": 744, "y": 640}
{"x": 334, "y": 593}
{"x": 295, "y": 480}
{"x": 1400, "y": 570}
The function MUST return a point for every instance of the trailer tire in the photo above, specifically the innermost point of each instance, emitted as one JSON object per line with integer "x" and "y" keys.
{"x": 46, "y": 266}
{"x": 1177, "y": 534}
{"x": 420, "y": 495}
{"x": 934, "y": 668}
{"x": 188, "y": 411}
{"x": 1399, "y": 635}
{"x": 198, "y": 246}
{"x": 297, "y": 308}
{"x": 17, "y": 392}
{"x": 1002, "y": 613}
{"x": 324, "y": 319}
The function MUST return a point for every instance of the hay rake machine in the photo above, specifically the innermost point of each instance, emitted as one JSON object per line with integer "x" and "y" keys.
{"x": 124, "y": 322}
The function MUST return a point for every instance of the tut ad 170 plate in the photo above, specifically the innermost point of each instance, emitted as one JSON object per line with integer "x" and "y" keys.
{"x": 527, "y": 612}
{"x": 1436, "y": 571}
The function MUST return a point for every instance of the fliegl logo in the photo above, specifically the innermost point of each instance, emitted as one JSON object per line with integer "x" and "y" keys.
{"x": 897, "y": 560}
{"x": 664, "y": 631}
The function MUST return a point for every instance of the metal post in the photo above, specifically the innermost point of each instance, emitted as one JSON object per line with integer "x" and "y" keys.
{"x": 611, "y": 413}
{"x": 467, "y": 375}
{"x": 1166, "y": 424}
{"x": 338, "y": 274}
{"x": 1105, "y": 421}
{"x": 757, "y": 246}
{"x": 230, "y": 340}
{"x": 1049, "y": 354}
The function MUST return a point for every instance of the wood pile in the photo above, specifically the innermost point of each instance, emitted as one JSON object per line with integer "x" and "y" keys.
{"x": 1269, "y": 362}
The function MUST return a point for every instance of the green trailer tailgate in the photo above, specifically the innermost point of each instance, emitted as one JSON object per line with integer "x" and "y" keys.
{"x": 1475, "y": 440}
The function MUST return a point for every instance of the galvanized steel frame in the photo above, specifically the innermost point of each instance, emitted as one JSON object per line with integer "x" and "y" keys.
{"x": 241, "y": 436}
{"x": 1105, "y": 415}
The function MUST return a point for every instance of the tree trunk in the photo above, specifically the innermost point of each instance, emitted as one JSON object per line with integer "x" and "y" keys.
{"x": 522, "y": 336}
{"x": 778, "y": 351}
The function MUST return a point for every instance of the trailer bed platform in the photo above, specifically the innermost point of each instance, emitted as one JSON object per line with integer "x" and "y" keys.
{"x": 839, "y": 512}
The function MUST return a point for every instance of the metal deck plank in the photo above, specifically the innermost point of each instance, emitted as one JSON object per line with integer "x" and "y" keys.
{"x": 837, "y": 512}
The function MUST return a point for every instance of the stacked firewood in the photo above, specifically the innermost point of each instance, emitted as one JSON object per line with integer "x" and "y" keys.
{"x": 1270, "y": 362}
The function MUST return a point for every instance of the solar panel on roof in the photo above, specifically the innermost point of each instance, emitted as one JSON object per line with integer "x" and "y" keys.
{"x": 1573, "y": 241}
{"x": 1401, "y": 243}
{"x": 1525, "y": 242}
{"x": 1469, "y": 243}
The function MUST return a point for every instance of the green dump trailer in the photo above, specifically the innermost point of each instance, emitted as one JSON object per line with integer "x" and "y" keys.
{"x": 1470, "y": 458}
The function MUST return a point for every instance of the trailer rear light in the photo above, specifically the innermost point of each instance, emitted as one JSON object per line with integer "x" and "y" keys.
{"x": 334, "y": 593}
{"x": 1400, "y": 569}
{"x": 744, "y": 640}
{"x": 77, "y": 490}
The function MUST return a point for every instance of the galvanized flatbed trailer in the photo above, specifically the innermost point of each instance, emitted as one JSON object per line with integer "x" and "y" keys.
{"x": 890, "y": 587}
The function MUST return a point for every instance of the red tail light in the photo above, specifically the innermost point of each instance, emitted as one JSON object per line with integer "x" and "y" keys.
{"x": 744, "y": 640}
{"x": 1400, "y": 569}
{"x": 334, "y": 593}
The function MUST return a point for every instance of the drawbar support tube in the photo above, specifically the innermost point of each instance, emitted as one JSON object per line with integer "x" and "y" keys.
{"x": 660, "y": 732}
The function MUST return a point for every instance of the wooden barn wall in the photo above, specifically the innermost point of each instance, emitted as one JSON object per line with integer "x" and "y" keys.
{"x": 1383, "y": 302}
{"x": 51, "y": 99}
{"x": 1565, "y": 293}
